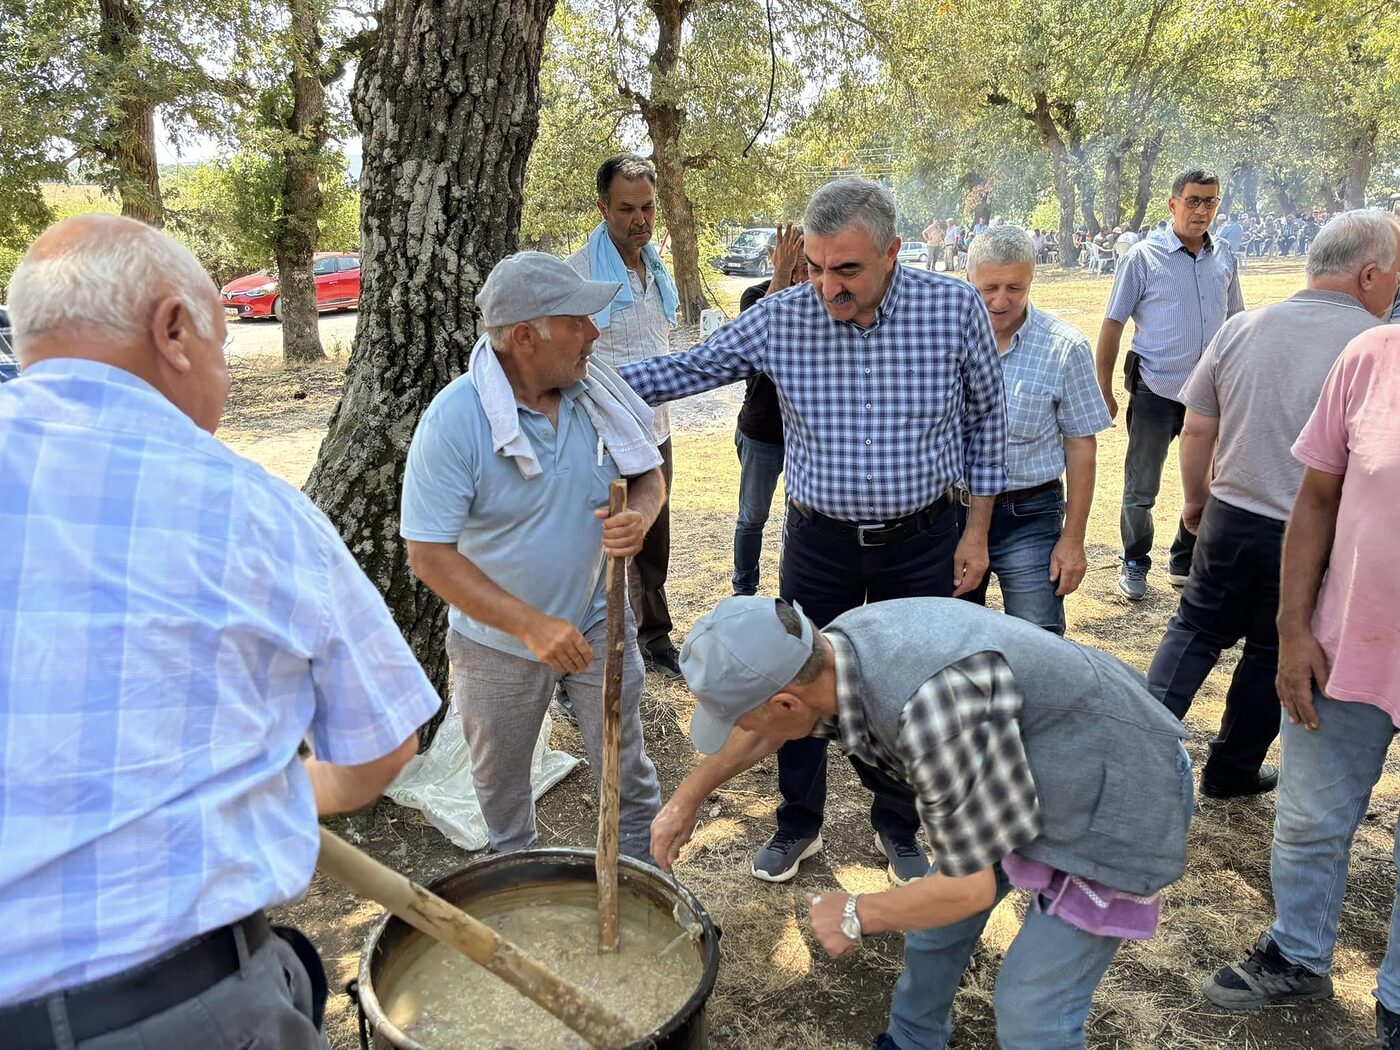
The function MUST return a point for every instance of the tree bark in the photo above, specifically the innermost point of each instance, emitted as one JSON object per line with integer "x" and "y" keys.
{"x": 296, "y": 229}
{"x": 1147, "y": 161}
{"x": 664, "y": 114}
{"x": 1113, "y": 181}
{"x": 447, "y": 101}
{"x": 128, "y": 142}
{"x": 1360, "y": 155}
{"x": 1051, "y": 138}
{"x": 1285, "y": 199}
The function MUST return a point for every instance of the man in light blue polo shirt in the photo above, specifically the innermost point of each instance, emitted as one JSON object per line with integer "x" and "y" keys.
{"x": 504, "y": 511}
{"x": 1053, "y": 410}
{"x": 1178, "y": 288}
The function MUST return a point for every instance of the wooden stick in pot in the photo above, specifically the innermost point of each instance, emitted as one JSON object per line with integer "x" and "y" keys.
{"x": 610, "y": 789}
{"x": 365, "y": 877}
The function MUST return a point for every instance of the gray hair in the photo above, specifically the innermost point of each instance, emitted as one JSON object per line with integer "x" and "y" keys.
{"x": 847, "y": 202}
{"x": 1001, "y": 246}
{"x": 1349, "y": 241}
{"x": 109, "y": 272}
{"x": 500, "y": 334}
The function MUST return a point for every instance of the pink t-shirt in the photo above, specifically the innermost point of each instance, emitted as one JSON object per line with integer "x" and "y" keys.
{"x": 1355, "y": 431}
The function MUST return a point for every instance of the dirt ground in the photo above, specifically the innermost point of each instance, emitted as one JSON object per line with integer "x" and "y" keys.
{"x": 776, "y": 988}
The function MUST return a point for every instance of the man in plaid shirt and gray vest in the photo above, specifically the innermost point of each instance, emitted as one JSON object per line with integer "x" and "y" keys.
{"x": 890, "y": 391}
{"x": 1036, "y": 763}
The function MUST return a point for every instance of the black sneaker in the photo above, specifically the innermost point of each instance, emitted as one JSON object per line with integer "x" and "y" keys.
{"x": 779, "y": 857}
{"x": 907, "y": 858}
{"x": 884, "y": 1042}
{"x": 666, "y": 664}
{"x": 1266, "y": 977}
{"x": 1387, "y": 1029}
{"x": 1265, "y": 781}
{"x": 565, "y": 706}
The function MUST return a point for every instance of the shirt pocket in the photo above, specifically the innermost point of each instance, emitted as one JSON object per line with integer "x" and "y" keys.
{"x": 1029, "y": 414}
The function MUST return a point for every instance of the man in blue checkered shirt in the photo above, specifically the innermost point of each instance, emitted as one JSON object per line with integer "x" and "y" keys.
{"x": 174, "y": 623}
{"x": 890, "y": 392}
{"x": 1053, "y": 409}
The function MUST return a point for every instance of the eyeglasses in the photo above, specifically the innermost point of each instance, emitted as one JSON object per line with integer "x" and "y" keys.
{"x": 1193, "y": 203}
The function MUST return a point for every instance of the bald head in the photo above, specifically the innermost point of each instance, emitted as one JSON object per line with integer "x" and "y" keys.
{"x": 113, "y": 290}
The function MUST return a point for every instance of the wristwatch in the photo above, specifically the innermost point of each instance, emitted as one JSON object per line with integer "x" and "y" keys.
{"x": 850, "y": 921}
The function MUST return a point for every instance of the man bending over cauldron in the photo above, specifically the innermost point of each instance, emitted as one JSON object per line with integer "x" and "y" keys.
{"x": 1036, "y": 763}
{"x": 506, "y": 476}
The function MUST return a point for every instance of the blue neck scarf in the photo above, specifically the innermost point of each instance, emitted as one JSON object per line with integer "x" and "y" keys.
{"x": 605, "y": 264}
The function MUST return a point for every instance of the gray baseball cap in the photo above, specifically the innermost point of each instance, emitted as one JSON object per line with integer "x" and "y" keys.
{"x": 737, "y": 656}
{"x": 527, "y": 285}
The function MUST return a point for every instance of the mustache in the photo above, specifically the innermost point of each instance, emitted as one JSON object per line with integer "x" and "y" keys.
{"x": 842, "y": 299}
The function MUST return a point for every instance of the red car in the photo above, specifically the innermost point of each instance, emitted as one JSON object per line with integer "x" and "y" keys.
{"x": 337, "y": 288}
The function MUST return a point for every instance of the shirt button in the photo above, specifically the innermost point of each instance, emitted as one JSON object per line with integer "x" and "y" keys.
{"x": 867, "y": 441}
{"x": 867, "y": 405}
{"x": 870, "y": 477}
{"x": 867, "y": 371}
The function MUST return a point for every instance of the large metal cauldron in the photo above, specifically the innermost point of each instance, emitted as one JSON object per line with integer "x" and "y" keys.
{"x": 392, "y": 942}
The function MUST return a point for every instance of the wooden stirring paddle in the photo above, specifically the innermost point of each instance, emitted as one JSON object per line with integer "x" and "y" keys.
{"x": 610, "y": 787}
{"x": 365, "y": 877}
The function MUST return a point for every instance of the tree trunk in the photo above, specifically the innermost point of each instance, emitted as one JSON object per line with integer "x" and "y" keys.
{"x": 128, "y": 142}
{"x": 664, "y": 113}
{"x": 447, "y": 100}
{"x": 1360, "y": 155}
{"x": 1285, "y": 200}
{"x": 1246, "y": 187}
{"x": 1113, "y": 182}
{"x": 1051, "y": 138}
{"x": 296, "y": 230}
{"x": 1147, "y": 161}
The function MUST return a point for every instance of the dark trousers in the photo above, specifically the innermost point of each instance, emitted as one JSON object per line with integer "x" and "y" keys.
{"x": 646, "y": 575}
{"x": 1232, "y": 594}
{"x": 1154, "y": 422}
{"x": 828, "y": 575}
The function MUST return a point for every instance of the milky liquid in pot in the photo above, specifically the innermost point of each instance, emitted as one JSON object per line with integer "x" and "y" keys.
{"x": 445, "y": 1001}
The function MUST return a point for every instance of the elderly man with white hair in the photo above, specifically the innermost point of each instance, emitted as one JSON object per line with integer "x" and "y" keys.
{"x": 1246, "y": 402}
{"x": 1053, "y": 410}
{"x": 174, "y": 622}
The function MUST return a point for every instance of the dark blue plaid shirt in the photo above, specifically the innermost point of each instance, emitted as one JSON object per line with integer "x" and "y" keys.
{"x": 878, "y": 422}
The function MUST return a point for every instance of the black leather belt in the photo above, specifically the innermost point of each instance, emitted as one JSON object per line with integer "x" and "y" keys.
{"x": 127, "y": 998}
{"x": 877, "y": 533}
{"x": 1005, "y": 499}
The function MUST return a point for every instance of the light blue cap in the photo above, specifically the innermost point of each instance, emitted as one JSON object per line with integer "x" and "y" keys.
{"x": 737, "y": 656}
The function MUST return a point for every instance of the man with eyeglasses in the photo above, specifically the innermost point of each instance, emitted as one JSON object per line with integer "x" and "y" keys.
{"x": 1178, "y": 288}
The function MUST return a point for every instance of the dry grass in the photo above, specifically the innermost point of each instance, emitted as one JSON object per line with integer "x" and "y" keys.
{"x": 776, "y": 987}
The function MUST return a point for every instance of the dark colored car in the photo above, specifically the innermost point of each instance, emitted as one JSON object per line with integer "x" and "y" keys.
{"x": 748, "y": 255}
{"x": 337, "y": 288}
{"x": 9, "y": 365}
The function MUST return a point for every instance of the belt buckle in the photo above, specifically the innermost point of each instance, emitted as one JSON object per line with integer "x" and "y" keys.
{"x": 861, "y": 530}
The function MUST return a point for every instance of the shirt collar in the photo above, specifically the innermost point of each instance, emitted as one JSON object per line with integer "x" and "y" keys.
{"x": 887, "y": 304}
{"x": 850, "y": 716}
{"x": 93, "y": 372}
{"x": 1324, "y": 295}
{"x": 1173, "y": 242}
{"x": 1031, "y": 320}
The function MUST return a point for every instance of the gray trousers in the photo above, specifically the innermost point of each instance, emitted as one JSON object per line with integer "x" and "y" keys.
{"x": 266, "y": 1004}
{"x": 502, "y": 699}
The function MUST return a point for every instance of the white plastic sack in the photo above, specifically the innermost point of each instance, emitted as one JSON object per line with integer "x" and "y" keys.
{"x": 439, "y": 781}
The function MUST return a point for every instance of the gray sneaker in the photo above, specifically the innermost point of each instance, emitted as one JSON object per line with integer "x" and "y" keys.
{"x": 1132, "y": 582}
{"x": 777, "y": 861}
{"x": 907, "y": 858}
{"x": 1264, "y": 978}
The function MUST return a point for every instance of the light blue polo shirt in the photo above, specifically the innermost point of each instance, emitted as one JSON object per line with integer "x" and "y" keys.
{"x": 537, "y": 539}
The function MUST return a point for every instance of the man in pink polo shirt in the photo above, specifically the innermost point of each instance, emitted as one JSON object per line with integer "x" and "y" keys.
{"x": 1338, "y": 678}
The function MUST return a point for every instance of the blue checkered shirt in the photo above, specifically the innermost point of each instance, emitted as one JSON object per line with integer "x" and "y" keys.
{"x": 1051, "y": 394}
{"x": 173, "y": 622}
{"x": 878, "y": 422}
{"x": 1177, "y": 303}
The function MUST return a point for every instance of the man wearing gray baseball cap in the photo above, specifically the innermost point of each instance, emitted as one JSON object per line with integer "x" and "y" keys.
{"x": 1035, "y": 762}
{"x": 505, "y": 513}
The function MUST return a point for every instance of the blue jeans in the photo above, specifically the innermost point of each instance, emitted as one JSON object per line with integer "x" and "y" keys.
{"x": 1019, "y": 542}
{"x": 1326, "y": 784}
{"x": 760, "y": 463}
{"x": 1043, "y": 992}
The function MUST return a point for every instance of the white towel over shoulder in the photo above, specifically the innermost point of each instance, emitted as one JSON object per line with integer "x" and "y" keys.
{"x": 621, "y": 418}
